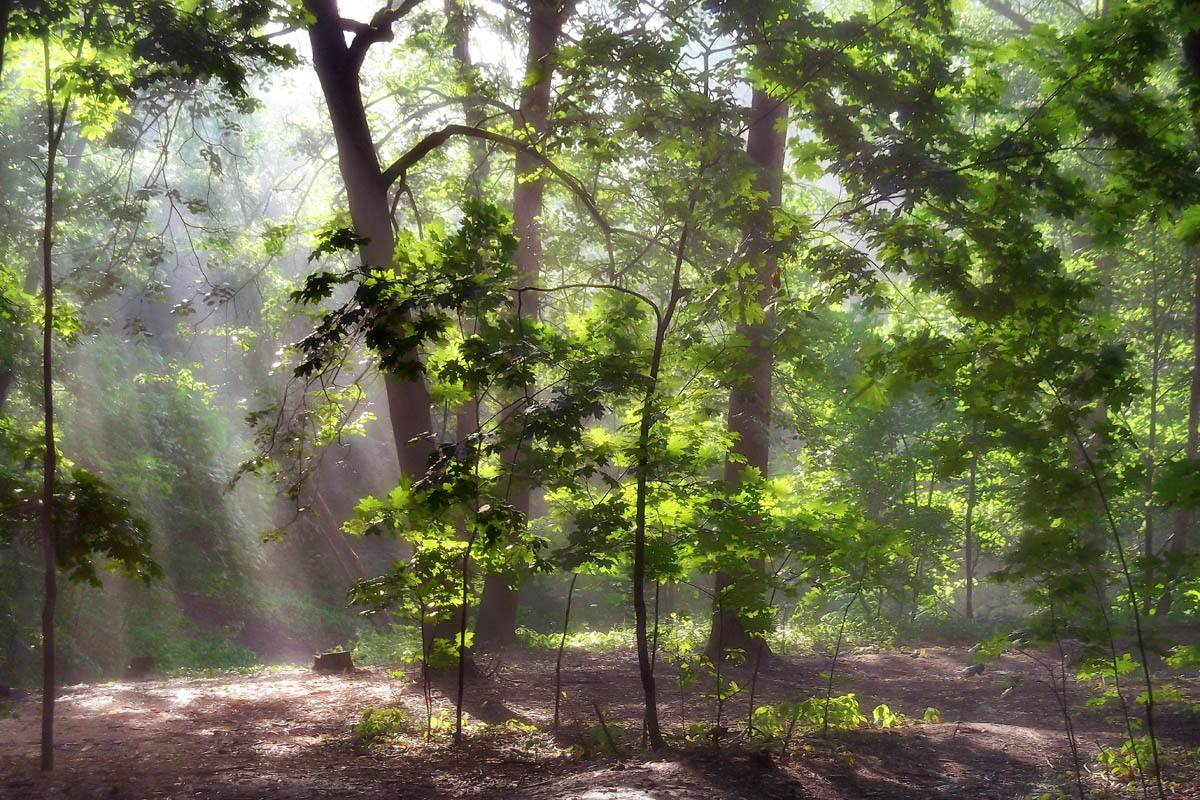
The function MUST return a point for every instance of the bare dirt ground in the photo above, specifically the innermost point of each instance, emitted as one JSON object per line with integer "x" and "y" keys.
{"x": 286, "y": 734}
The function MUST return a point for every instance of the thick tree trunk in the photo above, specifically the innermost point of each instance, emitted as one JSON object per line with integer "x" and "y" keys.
{"x": 750, "y": 397}
{"x": 366, "y": 191}
{"x": 497, "y": 622}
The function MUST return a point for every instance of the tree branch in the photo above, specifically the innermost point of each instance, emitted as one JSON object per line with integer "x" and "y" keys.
{"x": 1011, "y": 14}
{"x": 399, "y": 168}
{"x": 379, "y": 29}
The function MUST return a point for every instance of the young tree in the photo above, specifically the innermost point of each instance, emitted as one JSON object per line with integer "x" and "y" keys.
{"x": 94, "y": 56}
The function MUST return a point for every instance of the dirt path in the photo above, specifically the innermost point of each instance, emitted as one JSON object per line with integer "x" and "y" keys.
{"x": 286, "y": 734}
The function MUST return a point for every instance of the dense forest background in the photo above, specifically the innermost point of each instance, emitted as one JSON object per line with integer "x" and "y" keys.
{"x": 755, "y": 325}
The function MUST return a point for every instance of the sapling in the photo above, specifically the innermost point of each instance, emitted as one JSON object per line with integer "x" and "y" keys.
{"x": 561, "y": 646}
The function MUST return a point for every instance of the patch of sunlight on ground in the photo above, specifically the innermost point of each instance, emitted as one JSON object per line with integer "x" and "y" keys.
{"x": 94, "y": 703}
{"x": 180, "y": 696}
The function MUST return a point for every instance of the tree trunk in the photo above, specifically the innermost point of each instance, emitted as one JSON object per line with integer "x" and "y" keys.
{"x": 750, "y": 396}
{"x": 366, "y": 190}
{"x": 497, "y": 622}
{"x": 458, "y": 29}
{"x": 1152, "y": 440}
{"x": 642, "y": 469}
{"x": 50, "y": 456}
{"x": 969, "y": 548}
{"x": 1183, "y": 517}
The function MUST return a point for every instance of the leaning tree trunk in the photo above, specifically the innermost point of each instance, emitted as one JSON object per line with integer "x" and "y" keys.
{"x": 750, "y": 396}
{"x": 497, "y": 622}
{"x": 337, "y": 65}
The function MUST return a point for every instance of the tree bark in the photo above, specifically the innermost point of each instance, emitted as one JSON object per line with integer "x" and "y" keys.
{"x": 497, "y": 622}
{"x": 337, "y": 65}
{"x": 750, "y": 396}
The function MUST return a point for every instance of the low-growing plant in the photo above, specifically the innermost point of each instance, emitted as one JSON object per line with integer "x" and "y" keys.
{"x": 1132, "y": 759}
{"x": 883, "y": 716}
{"x": 608, "y": 737}
{"x": 819, "y": 634}
{"x": 382, "y": 723}
{"x": 780, "y": 722}
{"x": 592, "y": 641}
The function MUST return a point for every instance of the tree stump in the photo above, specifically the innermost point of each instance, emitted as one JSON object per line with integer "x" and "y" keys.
{"x": 334, "y": 662}
{"x": 139, "y": 668}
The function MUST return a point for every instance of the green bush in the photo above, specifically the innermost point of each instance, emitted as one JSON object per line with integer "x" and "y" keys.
{"x": 382, "y": 723}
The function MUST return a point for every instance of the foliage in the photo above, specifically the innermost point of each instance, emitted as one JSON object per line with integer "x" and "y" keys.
{"x": 382, "y": 723}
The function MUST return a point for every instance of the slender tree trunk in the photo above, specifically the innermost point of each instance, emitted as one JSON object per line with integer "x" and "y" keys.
{"x": 750, "y": 396}
{"x": 497, "y": 622}
{"x": 50, "y": 457}
{"x": 367, "y": 192}
{"x": 458, "y": 29}
{"x": 562, "y": 644}
{"x": 452, "y": 628}
{"x": 1152, "y": 441}
{"x": 1183, "y": 517}
{"x": 1183, "y": 520}
{"x": 969, "y": 548}
{"x": 642, "y": 468}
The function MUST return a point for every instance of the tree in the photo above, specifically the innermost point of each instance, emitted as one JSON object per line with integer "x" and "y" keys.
{"x": 750, "y": 396}
{"x": 338, "y": 65}
{"x": 81, "y": 70}
{"x": 497, "y": 622}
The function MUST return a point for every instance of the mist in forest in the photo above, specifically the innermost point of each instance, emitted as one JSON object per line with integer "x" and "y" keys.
{"x": 623, "y": 378}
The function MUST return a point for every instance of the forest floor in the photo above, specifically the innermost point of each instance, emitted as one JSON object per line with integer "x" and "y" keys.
{"x": 286, "y": 733}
